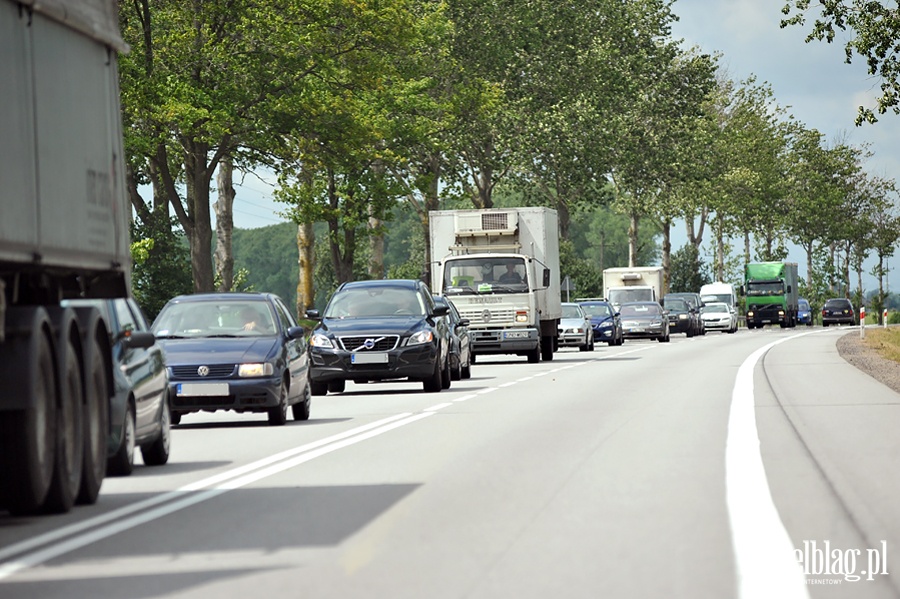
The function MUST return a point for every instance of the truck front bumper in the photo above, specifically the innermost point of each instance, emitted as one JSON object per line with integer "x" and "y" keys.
{"x": 504, "y": 341}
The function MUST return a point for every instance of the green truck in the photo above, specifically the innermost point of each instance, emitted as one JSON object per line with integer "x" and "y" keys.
{"x": 771, "y": 294}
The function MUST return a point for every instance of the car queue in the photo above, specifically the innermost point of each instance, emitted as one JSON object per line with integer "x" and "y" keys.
{"x": 246, "y": 352}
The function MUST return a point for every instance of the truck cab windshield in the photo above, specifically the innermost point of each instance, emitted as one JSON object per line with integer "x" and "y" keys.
{"x": 485, "y": 275}
{"x": 762, "y": 289}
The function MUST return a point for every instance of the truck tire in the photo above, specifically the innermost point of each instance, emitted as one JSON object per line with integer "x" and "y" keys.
{"x": 28, "y": 436}
{"x": 97, "y": 387}
{"x": 534, "y": 355}
{"x": 70, "y": 413}
{"x": 547, "y": 343}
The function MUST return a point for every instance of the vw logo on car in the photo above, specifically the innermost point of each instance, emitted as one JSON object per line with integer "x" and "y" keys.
{"x": 203, "y": 371}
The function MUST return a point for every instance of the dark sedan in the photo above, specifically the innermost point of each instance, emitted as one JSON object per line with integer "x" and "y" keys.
{"x": 460, "y": 340}
{"x": 644, "y": 320}
{"x": 683, "y": 318}
{"x": 234, "y": 351}
{"x": 380, "y": 330}
{"x": 139, "y": 410}
{"x": 605, "y": 321}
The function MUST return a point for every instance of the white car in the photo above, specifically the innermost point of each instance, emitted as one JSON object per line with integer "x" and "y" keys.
{"x": 575, "y": 328}
{"x": 719, "y": 316}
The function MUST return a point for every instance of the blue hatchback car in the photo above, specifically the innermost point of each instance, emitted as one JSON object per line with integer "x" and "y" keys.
{"x": 234, "y": 351}
{"x": 804, "y": 312}
{"x": 604, "y": 320}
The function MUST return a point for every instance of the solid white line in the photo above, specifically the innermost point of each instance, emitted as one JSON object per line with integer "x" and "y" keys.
{"x": 763, "y": 551}
{"x": 65, "y": 531}
{"x": 437, "y": 407}
{"x": 39, "y": 557}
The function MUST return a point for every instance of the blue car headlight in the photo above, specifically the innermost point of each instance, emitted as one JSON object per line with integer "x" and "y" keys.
{"x": 421, "y": 337}
{"x": 259, "y": 369}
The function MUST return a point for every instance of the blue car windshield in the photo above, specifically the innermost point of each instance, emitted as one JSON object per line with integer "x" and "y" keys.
{"x": 225, "y": 318}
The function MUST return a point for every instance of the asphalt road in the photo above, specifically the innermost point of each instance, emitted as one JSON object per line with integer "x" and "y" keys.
{"x": 757, "y": 464}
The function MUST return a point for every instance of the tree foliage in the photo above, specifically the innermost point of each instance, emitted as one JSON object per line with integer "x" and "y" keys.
{"x": 874, "y": 33}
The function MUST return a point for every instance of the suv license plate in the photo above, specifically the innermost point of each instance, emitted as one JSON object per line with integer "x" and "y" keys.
{"x": 369, "y": 358}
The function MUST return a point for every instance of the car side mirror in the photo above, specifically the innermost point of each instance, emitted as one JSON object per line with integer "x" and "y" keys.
{"x": 137, "y": 339}
{"x": 464, "y": 322}
{"x": 313, "y": 314}
{"x": 440, "y": 311}
{"x": 296, "y": 333}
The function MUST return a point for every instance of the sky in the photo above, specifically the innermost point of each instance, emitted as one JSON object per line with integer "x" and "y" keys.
{"x": 811, "y": 80}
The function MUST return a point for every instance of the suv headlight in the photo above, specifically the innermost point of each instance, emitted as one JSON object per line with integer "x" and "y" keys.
{"x": 250, "y": 370}
{"x": 421, "y": 337}
{"x": 320, "y": 340}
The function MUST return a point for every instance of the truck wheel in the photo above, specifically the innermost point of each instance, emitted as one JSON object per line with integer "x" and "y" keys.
{"x": 96, "y": 406}
{"x": 70, "y": 427}
{"x": 28, "y": 436}
{"x": 547, "y": 344}
{"x": 534, "y": 355}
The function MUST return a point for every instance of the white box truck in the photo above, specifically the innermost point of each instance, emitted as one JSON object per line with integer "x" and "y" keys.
{"x": 500, "y": 268}
{"x": 633, "y": 284}
{"x": 63, "y": 234}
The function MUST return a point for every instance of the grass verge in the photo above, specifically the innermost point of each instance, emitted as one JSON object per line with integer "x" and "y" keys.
{"x": 885, "y": 341}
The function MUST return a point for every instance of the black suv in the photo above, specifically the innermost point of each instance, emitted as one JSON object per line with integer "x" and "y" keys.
{"x": 694, "y": 300}
{"x": 838, "y": 311}
{"x": 380, "y": 330}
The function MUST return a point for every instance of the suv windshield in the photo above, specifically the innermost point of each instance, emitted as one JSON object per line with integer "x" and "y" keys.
{"x": 355, "y": 302}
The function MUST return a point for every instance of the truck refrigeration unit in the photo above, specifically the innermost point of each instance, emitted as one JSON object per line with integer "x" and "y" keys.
{"x": 500, "y": 268}
{"x": 63, "y": 234}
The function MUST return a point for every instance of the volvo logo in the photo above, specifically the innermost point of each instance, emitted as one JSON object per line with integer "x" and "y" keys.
{"x": 486, "y": 316}
{"x": 203, "y": 370}
{"x": 369, "y": 343}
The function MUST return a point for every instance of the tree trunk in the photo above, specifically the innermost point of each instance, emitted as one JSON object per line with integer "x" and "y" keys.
{"x": 197, "y": 179}
{"x": 225, "y": 225}
{"x": 341, "y": 257}
{"x": 376, "y": 255}
{"x": 565, "y": 217}
{"x": 666, "y": 255}
{"x": 633, "y": 225}
{"x": 306, "y": 243}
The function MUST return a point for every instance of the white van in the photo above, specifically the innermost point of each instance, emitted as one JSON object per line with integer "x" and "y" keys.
{"x": 719, "y": 292}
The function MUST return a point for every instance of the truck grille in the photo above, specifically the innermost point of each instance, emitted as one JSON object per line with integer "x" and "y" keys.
{"x": 486, "y": 316}
{"x": 376, "y": 343}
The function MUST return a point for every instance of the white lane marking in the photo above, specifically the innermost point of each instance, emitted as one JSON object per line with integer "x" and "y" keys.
{"x": 763, "y": 551}
{"x": 509, "y": 384}
{"x": 464, "y": 397}
{"x": 488, "y": 390}
{"x": 72, "y": 529}
{"x": 437, "y": 407}
{"x": 33, "y": 559}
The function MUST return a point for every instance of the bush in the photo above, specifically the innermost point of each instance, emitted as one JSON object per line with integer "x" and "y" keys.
{"x": 893, "y": 317}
